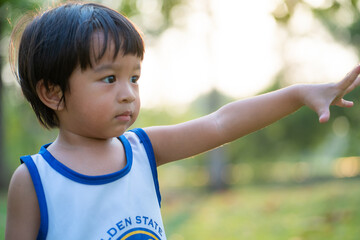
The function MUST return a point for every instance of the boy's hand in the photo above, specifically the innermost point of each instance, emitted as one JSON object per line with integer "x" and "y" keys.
{"x": 320, "y": 97}
{"x": 239, "y": 118}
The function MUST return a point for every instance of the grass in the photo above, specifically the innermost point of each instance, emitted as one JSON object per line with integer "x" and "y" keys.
{"x": 326, "y": 210}
{"x": 304, "y": 212}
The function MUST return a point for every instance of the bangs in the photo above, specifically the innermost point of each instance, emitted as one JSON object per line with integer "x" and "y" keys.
{"x": 110, "y": 26}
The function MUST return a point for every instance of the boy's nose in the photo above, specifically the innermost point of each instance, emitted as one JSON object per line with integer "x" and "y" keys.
{"x": 126, "y": 93}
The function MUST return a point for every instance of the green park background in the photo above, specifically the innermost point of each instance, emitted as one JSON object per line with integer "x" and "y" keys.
{"x": 293, "y": 180}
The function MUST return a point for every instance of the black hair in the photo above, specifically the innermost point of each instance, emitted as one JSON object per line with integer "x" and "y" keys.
{"x": 57, "y": 41}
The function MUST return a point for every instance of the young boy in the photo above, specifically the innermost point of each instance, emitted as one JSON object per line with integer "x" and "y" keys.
{"x": 78, "y": 66}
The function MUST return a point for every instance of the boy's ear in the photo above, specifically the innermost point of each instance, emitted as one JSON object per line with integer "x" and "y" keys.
{"x": 51, "y": 97}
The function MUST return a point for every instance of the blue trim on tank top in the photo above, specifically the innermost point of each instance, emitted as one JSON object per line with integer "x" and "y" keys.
{"x": 34, "y": 173}
{"x": 145, "y": 140}
{"x": 85, "y": 179}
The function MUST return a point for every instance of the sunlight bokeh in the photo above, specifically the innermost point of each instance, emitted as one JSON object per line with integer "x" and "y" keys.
{"x": 234, "y": 46}
{"x": 238, "y": 48}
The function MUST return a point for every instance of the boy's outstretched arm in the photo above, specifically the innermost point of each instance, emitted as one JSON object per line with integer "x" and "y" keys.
{"x": 242, "y": 117}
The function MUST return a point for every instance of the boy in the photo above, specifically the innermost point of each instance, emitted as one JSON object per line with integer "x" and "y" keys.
{"x": 79, "y": 66}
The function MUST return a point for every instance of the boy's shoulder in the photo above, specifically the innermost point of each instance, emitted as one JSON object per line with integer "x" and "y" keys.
{"x": 23, "y": 207}
{"x": 21, "y": 183}
{"x": 21, "y": 176}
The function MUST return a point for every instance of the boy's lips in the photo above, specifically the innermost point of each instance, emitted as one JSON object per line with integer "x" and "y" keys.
{"x": 125, "y": 116}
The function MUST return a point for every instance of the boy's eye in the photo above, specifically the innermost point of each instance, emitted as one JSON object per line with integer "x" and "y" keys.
{"x": 134, "y": 79}
{"x": 109, "y": 79}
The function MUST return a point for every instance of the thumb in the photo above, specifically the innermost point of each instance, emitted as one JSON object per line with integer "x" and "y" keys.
{"x": 324, "y": 115}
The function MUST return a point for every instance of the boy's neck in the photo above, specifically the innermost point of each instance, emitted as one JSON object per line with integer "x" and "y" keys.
{"x": 89, "y": 156}
{"x": 70, "y": 141}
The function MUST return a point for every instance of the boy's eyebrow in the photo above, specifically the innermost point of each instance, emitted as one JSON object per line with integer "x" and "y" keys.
{"x": 112, "y": 66}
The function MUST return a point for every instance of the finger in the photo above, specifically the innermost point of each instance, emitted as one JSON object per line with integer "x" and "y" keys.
{"x": 353, "y": 85}
{"x": 324, "y": 116}
{"x": 350, "y": 78}
{"x": 344, "y": 103}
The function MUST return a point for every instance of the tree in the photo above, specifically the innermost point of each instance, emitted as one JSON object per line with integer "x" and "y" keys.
{"x": 342, "y": 20}
{"x": 7, "y": 11}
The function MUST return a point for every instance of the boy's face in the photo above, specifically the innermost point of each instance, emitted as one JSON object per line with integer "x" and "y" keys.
{"x": 103, "y": 101}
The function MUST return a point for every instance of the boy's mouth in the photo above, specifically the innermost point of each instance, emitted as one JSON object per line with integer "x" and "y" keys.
{"x": 125, "y": 116}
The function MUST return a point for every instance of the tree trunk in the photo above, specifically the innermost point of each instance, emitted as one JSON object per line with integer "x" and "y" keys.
{"x": 217, "y": 157}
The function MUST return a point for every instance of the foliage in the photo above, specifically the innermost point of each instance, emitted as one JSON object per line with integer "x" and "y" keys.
{"x": 341, "y": 18}
{"x": 23, "y": 134}
{"x": 7, "y": 10}
{"x": 164, "y": 8}
{"x": 2, "y": 213}
{"x": 11, "y": 10}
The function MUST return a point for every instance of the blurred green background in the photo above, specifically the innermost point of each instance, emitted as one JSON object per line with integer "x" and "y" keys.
{"x": 293, "y": 180}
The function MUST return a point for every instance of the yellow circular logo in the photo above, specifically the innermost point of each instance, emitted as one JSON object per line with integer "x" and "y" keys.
{"x": 139, "y": 234}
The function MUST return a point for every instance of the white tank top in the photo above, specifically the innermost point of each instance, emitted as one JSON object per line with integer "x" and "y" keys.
{"x": 123, "y": 205}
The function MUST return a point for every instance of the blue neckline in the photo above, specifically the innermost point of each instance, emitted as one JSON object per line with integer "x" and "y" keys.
{"x": 85, "y": 179}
